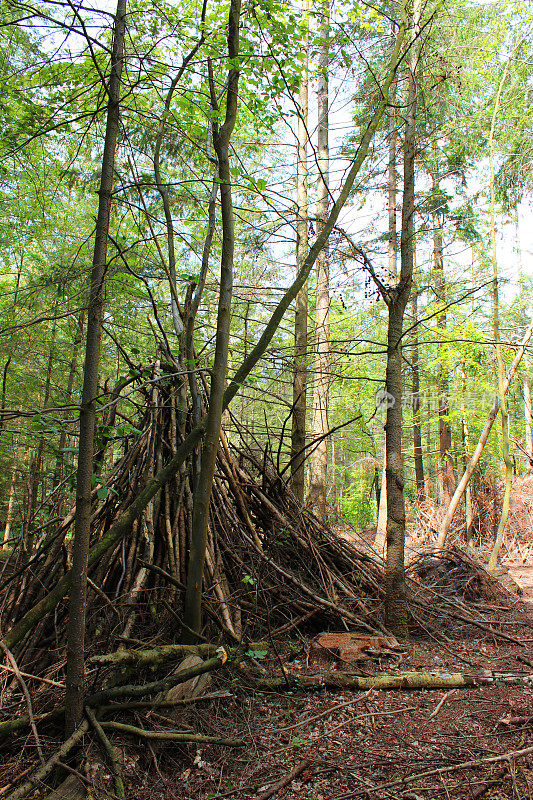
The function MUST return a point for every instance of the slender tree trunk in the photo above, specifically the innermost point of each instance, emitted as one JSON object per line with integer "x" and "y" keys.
{"x": 82, "y": 526}
{"x": 466, "y": 456}
{"x": 392, "y": 236}
{"x": 36, "y": 471}
{"x": 508, "y": 464}
{"x": 528, "y": 415}
{"x": 482, "y": 441}
{"x": 396, "y": 600}
{"x": 381, "y": 526}
{"x": 318, "y": 461}
{"x": 202, "y": 496}
{"x": 446, "y": 480}
{"x": 299, "y": 387}
{"x": 69, "y": 394}
{"x": 526, "y": 382}
{"x": 11, "y": 500}
{"x": 428, "y": 455}
{"x": 417, "y": 430}
{"x": 392, "y": 245}
{"x": 10, "y": 348}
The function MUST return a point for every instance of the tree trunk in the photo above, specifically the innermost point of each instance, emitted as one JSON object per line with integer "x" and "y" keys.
{"x": 11, "y": 500}
{"x": 392, "y": 245}
{"x": 78, "y": 579}
{"x": 300, "y": 313}
{"x": 381, "y": 526}
{"x": 417, "y": 430}
{"x": 58, "y": 469}
{"x": 392, "y": 239}
{"x": 508, "y": 464}
{"x": 528, "y": 415}
{"x": 202, "y": 495}
{"x": 37, "y": 460}
{"x": 395, "y": 600}
{"x": 446, "y": 480}
{"x": 466, "y": 456}
{"x": 318, "y": 461}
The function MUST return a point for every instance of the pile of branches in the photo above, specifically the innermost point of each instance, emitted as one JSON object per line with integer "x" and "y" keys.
{"x": 518, "y": 541}
{"x": 270, "y": 565}
{"x": 485, "y": 498}
{"x": 271, "y": 569}
{"x": 455, "y": 573}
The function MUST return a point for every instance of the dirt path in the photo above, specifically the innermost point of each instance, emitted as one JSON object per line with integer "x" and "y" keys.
{"x": 522, "y": 575}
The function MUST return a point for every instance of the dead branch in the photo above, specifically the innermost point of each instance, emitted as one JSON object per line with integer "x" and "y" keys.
{"x": 171, "y": 736}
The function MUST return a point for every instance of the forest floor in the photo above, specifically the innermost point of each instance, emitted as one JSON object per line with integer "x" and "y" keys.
{"x": 355, "y": 744}
{"x": 339, "y": 745}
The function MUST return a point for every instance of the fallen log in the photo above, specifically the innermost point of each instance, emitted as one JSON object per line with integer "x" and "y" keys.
{"x": 401, "y": 681}
{"x": 156, "y": 656}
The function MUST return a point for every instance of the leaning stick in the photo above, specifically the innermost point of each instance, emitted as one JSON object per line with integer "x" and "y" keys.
{"x": 27, "y": 697}
{"x": 461, "y": 486}
{"x": 110, "y": 752}
{"x": 170, "y": 736}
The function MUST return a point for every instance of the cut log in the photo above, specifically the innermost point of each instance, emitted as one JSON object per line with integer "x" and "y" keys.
{"x": 351, "y": 647}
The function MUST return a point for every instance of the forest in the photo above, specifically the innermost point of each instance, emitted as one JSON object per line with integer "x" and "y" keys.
{"x": 266, "y": 427}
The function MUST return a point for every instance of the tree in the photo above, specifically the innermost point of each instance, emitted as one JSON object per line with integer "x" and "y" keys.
{"x": 298, "y": 434}
{"x": 78, "y": 579}
{"x": 221, "y": 143}
{"x": 318, "y": 461}
{"x": 398, "y": 296}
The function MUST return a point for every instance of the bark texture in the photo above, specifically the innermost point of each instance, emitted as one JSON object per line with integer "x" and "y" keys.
{"x": 395, "y": 601}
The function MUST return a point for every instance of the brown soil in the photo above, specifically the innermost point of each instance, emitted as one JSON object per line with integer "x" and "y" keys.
{"x": 353, "y": 742}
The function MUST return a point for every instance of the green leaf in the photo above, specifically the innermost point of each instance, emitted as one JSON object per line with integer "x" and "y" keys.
{"x": 297, "y": 742}
{"x": 259, "y": 654}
